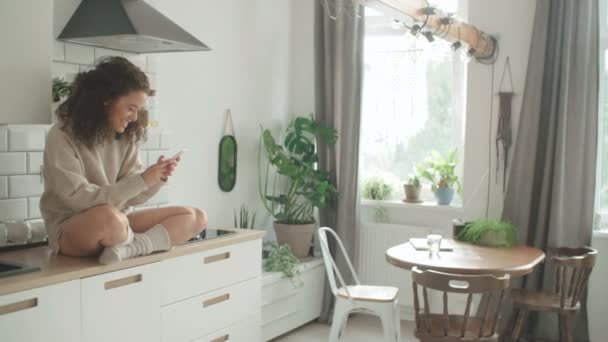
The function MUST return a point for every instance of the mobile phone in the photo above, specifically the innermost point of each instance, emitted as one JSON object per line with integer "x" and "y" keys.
{"x": 178, "y": 154}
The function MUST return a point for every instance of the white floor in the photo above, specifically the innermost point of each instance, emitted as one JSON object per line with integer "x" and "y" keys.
{"x": 360, "y": 328}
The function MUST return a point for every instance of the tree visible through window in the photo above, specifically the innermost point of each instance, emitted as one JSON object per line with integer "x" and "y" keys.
{"x": 409, "y": 104}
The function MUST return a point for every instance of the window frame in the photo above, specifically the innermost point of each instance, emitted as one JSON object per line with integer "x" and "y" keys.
{"x": 459, "y": 96}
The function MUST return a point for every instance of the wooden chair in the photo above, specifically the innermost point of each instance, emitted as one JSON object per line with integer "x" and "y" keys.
{"x": 379, "y": 300}
{"x": 573, "y": 267}
{"x": 446, "y": 327}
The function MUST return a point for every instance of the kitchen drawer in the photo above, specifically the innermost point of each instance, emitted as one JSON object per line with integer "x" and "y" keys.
{"x": 279, "y": 309}
{"x": 201, "y": 315}
{"x": 50, "y": 313}
{"x": 247, "y": 330}
{"x": 122, "y": 305}
{"x": 278, "y": 291}
{"x": 196, "y": 274}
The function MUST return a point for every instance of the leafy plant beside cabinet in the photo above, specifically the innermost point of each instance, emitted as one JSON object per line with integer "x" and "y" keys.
{"x": 489, "y": 233}
{"x": 59, "y": 89}
{"x": 243, "y": 219}
{"x": 376, "y": 188}
{"x": 441, "y": 172}
{"x": 281, "y": 259}
{"x": 298, "y": 186}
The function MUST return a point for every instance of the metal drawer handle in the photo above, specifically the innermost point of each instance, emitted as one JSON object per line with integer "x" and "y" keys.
{"x": 217, "y": 257}
{"x": 19, "y": 306}
{"x": 123, "y": 282}
{"x": 221, "y": 338}
{"x": 216, "y": 300}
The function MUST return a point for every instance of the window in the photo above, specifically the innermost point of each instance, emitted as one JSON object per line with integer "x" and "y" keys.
{"x": 602, "y": 193}
{"x": 413, "y": 100}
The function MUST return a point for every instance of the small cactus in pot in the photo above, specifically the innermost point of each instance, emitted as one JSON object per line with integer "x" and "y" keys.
{"x": 412, "y": 189}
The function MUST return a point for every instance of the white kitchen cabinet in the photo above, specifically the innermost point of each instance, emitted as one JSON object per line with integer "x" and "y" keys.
{"x": 246, "y": 330}
{"x": 197, "y": 273}
{"x": 201, "y": 315}
{"x": 286, "y": 306}
{"x": 49, "y": 313}
{"x": 122, "y": 305}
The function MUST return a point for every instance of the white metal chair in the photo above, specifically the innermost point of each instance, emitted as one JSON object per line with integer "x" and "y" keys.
{"x": 379, "y": 300}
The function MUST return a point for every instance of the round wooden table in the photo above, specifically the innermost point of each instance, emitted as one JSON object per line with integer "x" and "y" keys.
{"x": 468, "y": 259}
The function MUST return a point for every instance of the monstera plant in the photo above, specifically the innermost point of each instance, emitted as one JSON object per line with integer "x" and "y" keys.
{"x": 291, "y": 185}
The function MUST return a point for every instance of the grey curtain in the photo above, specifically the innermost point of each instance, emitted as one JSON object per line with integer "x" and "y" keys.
{"x": 550, "y": 195}
{"x": 339, "y": 31}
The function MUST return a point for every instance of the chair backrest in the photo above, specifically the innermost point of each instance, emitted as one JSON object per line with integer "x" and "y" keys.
{"x": 573, "y": 267}
{"x": 451, "y": 327}
{"x": 330, "y": 264}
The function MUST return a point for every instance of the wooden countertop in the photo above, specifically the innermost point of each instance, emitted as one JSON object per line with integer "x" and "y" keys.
{"x": 58, "y": 268}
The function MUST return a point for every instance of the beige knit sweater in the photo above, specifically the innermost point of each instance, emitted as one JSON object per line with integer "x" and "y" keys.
{"x": 77, "y": 178}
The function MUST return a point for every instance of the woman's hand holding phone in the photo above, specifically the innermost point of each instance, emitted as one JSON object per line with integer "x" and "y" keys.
{"x": 162, "y": 169}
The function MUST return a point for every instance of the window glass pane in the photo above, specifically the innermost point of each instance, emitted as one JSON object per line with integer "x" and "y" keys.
{"x": 408, "y": 106}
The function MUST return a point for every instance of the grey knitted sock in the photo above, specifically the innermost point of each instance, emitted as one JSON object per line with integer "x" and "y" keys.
{"x": 155, "y": 239}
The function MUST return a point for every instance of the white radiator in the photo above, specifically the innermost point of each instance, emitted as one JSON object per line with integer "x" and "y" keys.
{"x": 373, "y": 269}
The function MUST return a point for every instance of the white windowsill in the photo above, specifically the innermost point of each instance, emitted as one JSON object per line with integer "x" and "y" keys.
{"x": 430, "y": 206}
{"x": 601, "y": 233}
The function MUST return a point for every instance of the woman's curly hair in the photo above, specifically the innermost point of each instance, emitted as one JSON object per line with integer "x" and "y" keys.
{"x": 84, "y": 114}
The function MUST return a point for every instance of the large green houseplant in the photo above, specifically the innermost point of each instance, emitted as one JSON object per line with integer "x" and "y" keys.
{"x": 441, "y": 172}
{"x": 296, "y": 187}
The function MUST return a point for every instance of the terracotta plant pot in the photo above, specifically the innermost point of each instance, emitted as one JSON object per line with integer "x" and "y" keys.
{"x": 297, "y": 236}
{"x": 412, "y": 193}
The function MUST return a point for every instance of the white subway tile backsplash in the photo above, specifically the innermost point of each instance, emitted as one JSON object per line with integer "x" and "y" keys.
{"x": 25, "y": 186}
{"x": 151, "y": 64}
{"x": 26, "y": 138}
{"x": 58, "y": 50}
{"x": 13, "y": 209}
{"x": 80, "y": 54}
{"x": 3, "y": 138}
{"x": 165, "y": 140}
{"x": 67, "y": 71}
{"x": 153, "y": 79}
{"x": 12, "y": 163}
{"x": 34, "y": 162}
{"x": 83, "y": 68}
{"x": 139, "y": 60}
{"x": 33, "y": 208}
{"x": 3, "y": 187}
{"x": 153, "y": 141}
{"x": 101, "y": 53}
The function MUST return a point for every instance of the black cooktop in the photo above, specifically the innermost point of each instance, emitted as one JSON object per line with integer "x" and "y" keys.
{"x": 209, "y": 234}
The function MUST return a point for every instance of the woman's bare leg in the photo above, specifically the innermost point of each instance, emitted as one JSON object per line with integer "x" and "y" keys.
{"x": 87, "y": 233}
{"x": 182, "y": 223}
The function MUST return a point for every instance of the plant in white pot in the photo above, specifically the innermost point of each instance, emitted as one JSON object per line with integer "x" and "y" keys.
{"x": 297, "y": 187}
{"x": 441, "y": 172}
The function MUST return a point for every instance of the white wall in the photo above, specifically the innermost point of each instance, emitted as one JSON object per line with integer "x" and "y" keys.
{"x": 25, "y": 75}
{"x": 497, "y": 18}
{"x": 258, "y": 48}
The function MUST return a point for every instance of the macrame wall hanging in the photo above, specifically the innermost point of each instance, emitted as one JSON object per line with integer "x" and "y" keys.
{"x": 504, "y": 132}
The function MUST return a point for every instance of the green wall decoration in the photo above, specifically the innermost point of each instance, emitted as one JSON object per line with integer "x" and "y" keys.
{"x": 226, "y": 173}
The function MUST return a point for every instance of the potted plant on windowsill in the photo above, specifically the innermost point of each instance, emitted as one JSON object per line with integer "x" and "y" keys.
{"x": 298, "y": 187}
{"x": 441, "y": 172}
{"x": 377, "y": 188}
{"x": 412, "y": 189}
